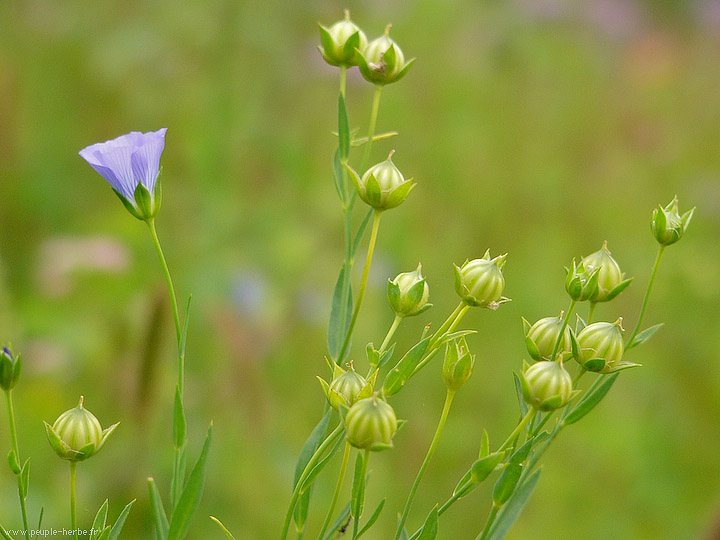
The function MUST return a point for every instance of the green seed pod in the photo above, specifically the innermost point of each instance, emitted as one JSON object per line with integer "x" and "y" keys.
{"x": 601, "y": 346}
{"x": 546, "y": 386}
{"x": 10, "y": 368}
{"x": 668, "y": 225}
{"x": 347, "y": 386}
{"x": 382, "y": 61}
{"x": 77, "y": 435}
{"x": 480, "y": 282}
{"x": 611, "y": 280}
{"x": 457, "y": 365}
{"x": 341, "y": 42}
{"x": 408, "y": 293}
{"x": 382, "y": 186}
{"x": 371, "y": 424}
{"x": 581, "y": 283}
{"x": 540, "y": 338}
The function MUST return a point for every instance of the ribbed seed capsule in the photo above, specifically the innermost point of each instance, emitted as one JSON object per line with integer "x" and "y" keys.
{"x": 480, "y": 282}
{"x": 371, "y": 423}
{"x": 345, "y": 388}
{"x": 611, "y": 281}
{"x": 601, "y": 346}
{"x": 546, "y": 386}
{"x": 77, "y": 435}
{"x": 541, "y": 337}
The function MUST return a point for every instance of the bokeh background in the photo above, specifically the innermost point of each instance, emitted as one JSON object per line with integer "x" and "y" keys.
{"x": 538, "y": 128}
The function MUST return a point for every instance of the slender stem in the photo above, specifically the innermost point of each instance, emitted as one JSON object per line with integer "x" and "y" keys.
{"x": 518, "y": 429}
{"x": 361, "y": 502}
{"x": 446, "y": 328}
{"x": 73, "y": 519}
{"x": 396, "y": 322}
{"x": 438, "y": 432}
{"x": 16, "y": 449}
{"x": 343, "y": 78}
{"x": 363, "y": 282}
{"x": 336, "y": 494}
{"x": 330, "y": 439}
{"x": 561, "y": 334}
{"x": 449, "y": 321}
{"x": 490, "y": 520}
{"x": 660, "y": 252}
{"x": 371, "y": 128}
{"x": 591, "y": 313}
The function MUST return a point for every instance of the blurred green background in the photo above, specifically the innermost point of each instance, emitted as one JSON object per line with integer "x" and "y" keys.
{"x": 538, "y": 128}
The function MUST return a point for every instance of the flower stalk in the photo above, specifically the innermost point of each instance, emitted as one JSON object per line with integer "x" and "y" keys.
{"x": 16, "y": 449}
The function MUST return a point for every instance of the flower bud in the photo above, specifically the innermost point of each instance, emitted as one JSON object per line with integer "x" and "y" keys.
{"x": 668, "y": 225}
{"x": 10, "y": 368}
{"x": 540, "y": 338}
{"x": 408, "y": 293}
{"x": 77, "y": 435}
{"x": 581, "y": 283}
{"x": 546, "y": 386}
{"x": 480, "y": 282}
{"x": 347, "y": 387}
{"x": 382, "y": 61}
{"x": 457, "y": 365}
{"x": 611, "y": 281}
{"x": 341, "y": 42}
{"x": 371, "y": 423}
{"x": 382, "y": 186}
{"x": 601, "y": 346}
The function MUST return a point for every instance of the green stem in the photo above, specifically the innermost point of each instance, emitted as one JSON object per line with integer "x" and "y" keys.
{"x": 371, "y": 128}
{"x": 562, "y": 330}
{"x": 660, "y": 252}
{"x": 591, "y": 313}
{"x": 438, "y": 432}
{"x": 361, "y": 479}
{"x": 73, "y": 519}
{"x": 336, "y": 494}
{"x": 448, "y": 326}
{"x": 343, "y": 78}
{"x": 518, "y": 429}
{"x": 363, "y": 282}
{"x": 16, "y": 449}
{"x": 490, "y": 520}
{"x": 396, "y": 322}
{"x": 330, "y": 439}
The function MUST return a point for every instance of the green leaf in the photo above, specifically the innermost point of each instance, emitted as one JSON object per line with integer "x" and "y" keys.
{"x": 40, "y": 519}
{"x": 430, "y": 527}
{"x": 183, "y": 335}
{"x": 128, "y": 205}
{"x": 643, "y": 336}
{"x": 100, "y": 520}
{"x": 398, "y": 376}
{"x": 343, "y": 129}
{"x": 484, "y": 445}
{"x": 104, "y": 534}
{"x": 372, "y": 520}
{"x": 595, "y": 364}
{"x": 179, "y": 424}
{"x": 386, "y": 356}
{"x": 512, "y": 510}
{"x": 5, "y": 534}
{"x": 158, "y": 511}
{"x": 338, "y": 176}
{"x": 311, "y": 444}
{"x": 589, "y": 401}
{"x": 519, "y": 393}
{"x": 508, "y": 481}
{"x": 358, "y": 487}
{"x": 24, "y": 479}
{"x": 224, "y": 529}
{"x": 360, "y": 232}
{"x": 13, "y": 462}
{"x": 454, "y": 335}
{"x": 190, "y": 497}
{"x": 336, "y": 328}
{"x": 120, "y": 521}
{"x": 319, "y": 466}
{"x": 301, "y": 511}
{"x": 478, "y": 473}
{"x": 340, "y": 525}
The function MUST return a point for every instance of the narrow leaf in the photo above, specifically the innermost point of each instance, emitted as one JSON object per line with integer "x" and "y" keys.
{"x": 190, "y": 497}
{"x": 319, "y": 466}
{"x": 301, "y": 511}
{"x": 455, "y": 335}
{"x": 104, "y": 534}
{"x": 358, "y": 487}
{"x": 643, "y": 336}
{"x": 337, "y": 328}
{"x": 100, "y": 520}
{"x": 183, "y": 335}
{"x": 40, "y": 519}
{"x": 24, "y": 479}
{"x": 398, "y": 376}
{"x": 120, "y": 521}
{"x": 179, "y": 424}
{"x": 518, "y": 392}
{"x": 338, "y": 172}
{"x": 512, "y": 510}
{"x": 386, "y": 356}
{"x": 360, "y": 232}
{"x": 340, "y": 525}
{"x": 343, "y": 129}
{"x": 224, "y": 529}
{"x": 5, "y": 534}
{"x": 589, "y": 402}
{"x": 372, "y": 520}
{"x": 158, "y": 511}
{"x": 311, "y": 444}
{"x": 430, "y": 528}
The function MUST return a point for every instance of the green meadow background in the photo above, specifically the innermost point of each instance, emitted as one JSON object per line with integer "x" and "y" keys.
{"x": 537, "y": 128}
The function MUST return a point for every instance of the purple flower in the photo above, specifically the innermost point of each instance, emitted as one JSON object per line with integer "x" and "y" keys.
{"x": 127, "y": 162}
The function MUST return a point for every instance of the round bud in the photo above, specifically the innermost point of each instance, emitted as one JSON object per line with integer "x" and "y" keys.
{"x": 341, "y": 42}
{"x": 480, "y": 282}
{"x": 345, "y": 388}
{"x": 382, "y": 61}
{"x": 408, "y": 293}
{"x": 546, "y": 386}
{"x": 580, "y": 282}
{"x": 601, "y": 346}
{"x": 610, "y": 280}
{"x": 10, "y": 367}
{"x": 457, "y": 365}
{"x": 371, "y": 424}
{"x": 77, "y": 435}
{"x": 382, "y": 186}
{"x": 667, "y": 225}
{"x": 541, "y": 338}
